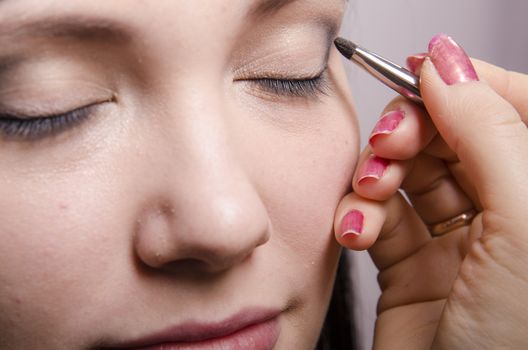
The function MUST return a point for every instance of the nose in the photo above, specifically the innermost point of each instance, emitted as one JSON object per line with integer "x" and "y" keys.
{"x": 205, "y": 214}
{"x": 207, "y": 231}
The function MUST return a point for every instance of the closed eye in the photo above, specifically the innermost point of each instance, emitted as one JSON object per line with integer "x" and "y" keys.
{"x": 309, "y": 87}
{"x": 36, "y": 127}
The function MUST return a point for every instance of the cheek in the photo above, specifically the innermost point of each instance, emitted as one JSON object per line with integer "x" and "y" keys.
{"x": 301, "y": 174}
{"x": 301, "y": 177}
{"x": 54, "y": 251}
{"x": 59, "y": 228}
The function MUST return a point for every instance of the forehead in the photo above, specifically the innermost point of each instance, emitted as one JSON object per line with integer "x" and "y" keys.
{"x": 159, "y": 20}
{"x": 162, "y": 8}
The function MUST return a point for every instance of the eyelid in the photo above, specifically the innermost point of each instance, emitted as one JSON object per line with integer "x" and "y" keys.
{"x": 25, "y": 128}
{"x": 285, "y": 88}
{"x": 51, "y": 97}
{"x": 253, "y": 75}
{"x": 10, "y": 113}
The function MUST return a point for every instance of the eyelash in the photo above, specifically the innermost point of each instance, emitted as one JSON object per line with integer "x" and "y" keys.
{"x": 32, "y": 128}
{"x": 311, "y": 87}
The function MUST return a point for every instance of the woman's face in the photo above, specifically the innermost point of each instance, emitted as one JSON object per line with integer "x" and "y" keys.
{"x": 186, "y": 184}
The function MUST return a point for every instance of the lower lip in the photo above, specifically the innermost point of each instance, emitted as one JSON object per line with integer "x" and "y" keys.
{"x": 261, "y": 336}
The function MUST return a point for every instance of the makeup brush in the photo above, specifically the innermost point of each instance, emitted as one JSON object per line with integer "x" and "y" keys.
{"x": 396, "y": 77}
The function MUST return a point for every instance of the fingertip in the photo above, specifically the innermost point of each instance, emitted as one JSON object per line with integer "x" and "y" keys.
{"x": 358, "y": 222}
{"x": 414, "y": 62}
{"x": 378, "y": 178}
{"x": 387, "y": 124}
{"x": 402, "y": 132}
{"x": 429, "y": 76}
{"x": 434, "y": 91}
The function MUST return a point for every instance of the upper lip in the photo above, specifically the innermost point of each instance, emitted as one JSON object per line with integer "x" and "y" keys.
{"x": 195, "y": 331}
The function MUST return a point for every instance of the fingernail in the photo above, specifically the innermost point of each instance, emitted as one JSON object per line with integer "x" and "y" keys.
{"x": 352, "y": 223}
{"x": 387, "y": 124}
{"x": 373, "y": 168}
{"x": 414, "y": 62}
{"x": 451, "y": 61}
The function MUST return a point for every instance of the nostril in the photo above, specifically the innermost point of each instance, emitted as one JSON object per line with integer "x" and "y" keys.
{"x": 200, "y": 268}
{"x": 188, "y": 268}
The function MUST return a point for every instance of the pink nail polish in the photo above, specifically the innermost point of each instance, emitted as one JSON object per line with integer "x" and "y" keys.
{"x": 387, "y": 124}
{"x": 352, "y": 223}
{"x": 451, "y": 61}
{"x": 414, "y": 62}
{"x": 373, "y": 168}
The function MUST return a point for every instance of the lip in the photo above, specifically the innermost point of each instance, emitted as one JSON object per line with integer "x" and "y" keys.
{"x": 250, "y": 329}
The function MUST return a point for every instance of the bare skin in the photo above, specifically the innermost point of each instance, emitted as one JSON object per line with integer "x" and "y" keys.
{"x": 192, "y": 189}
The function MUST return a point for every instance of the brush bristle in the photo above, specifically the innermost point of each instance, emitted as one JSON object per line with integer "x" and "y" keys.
{"x": 346, "y": 47}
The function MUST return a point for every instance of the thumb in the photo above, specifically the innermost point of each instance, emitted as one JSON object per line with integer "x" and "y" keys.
{"x": 484, "y": 130}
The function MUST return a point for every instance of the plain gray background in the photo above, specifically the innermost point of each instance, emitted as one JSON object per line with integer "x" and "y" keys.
{"x": 491, "y": 30}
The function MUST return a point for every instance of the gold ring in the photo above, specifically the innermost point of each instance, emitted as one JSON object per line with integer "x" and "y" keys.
{"x": 449, "y": 225}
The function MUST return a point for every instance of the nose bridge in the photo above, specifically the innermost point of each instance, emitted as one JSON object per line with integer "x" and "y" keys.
{"x": 200, "y": 149}
{"x": 206, "y": 124}
{"x": 216, "y": 216}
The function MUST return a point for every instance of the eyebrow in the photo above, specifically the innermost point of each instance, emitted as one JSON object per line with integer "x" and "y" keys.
{"x": 71, "y": 27}
{"x": 267, "y": 7}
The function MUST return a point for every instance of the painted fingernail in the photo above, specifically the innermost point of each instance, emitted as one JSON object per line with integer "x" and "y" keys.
{"x": 373, "y": 168}
{"x": 352, "y": 223}
{"x": 387, "y": 124}
{"x": 414, "y": 62}
{"x": 451, "y": 61}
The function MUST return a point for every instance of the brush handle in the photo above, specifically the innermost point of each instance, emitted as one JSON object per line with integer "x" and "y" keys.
{"x": 394, "y": 76}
